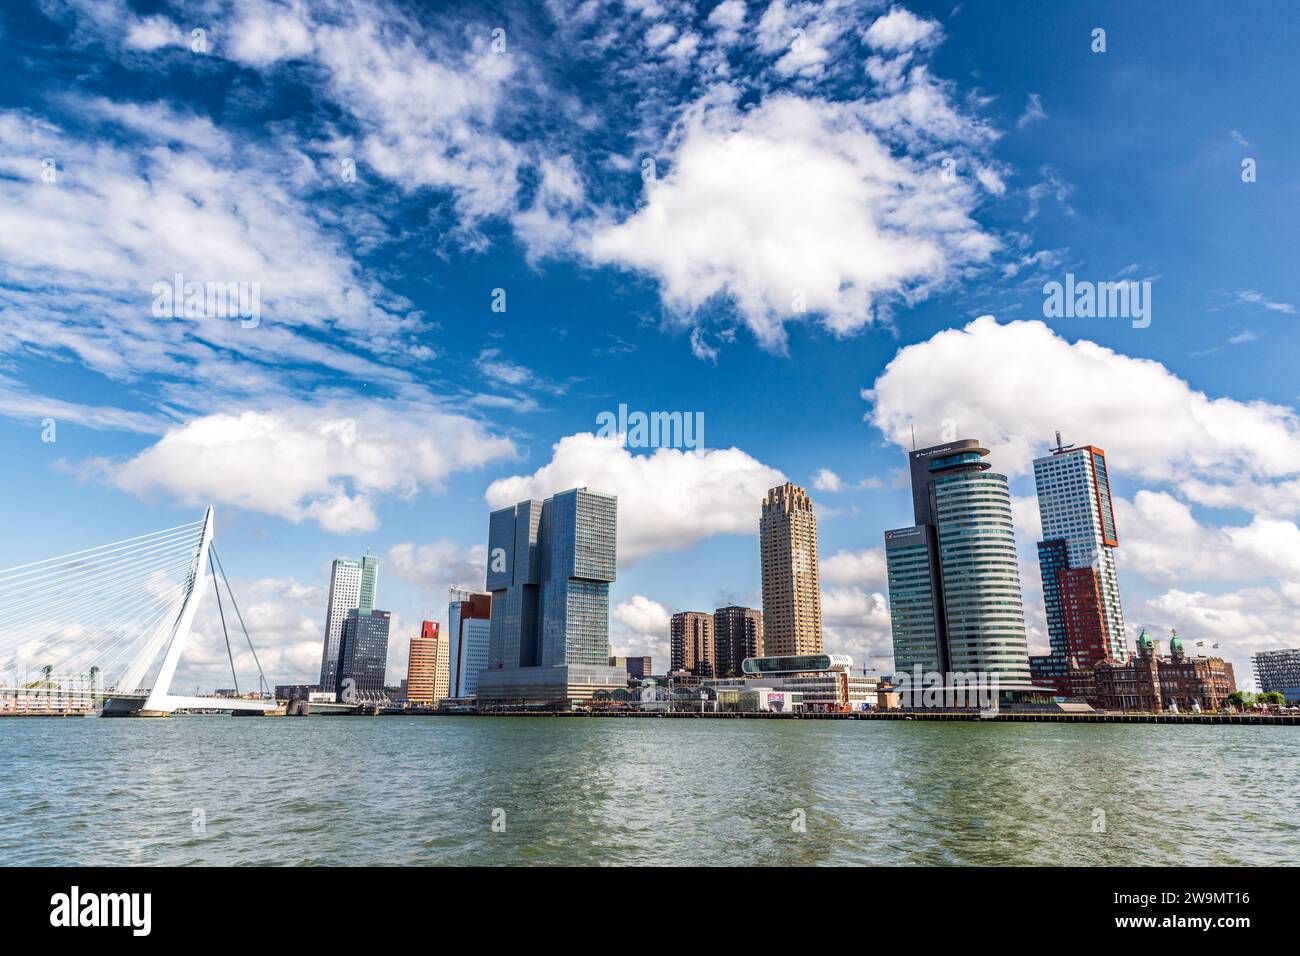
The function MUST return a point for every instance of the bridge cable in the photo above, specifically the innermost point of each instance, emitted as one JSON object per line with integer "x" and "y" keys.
{"x": 262, "y": 677}
{"x": 229, "y": 653}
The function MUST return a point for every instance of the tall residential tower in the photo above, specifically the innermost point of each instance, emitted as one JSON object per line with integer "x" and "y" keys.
{"x": 737, "y": 634}
{"x": 792, "y": 603}
{"x": 1085, "y": 622}
{"x": 692, "y": 644}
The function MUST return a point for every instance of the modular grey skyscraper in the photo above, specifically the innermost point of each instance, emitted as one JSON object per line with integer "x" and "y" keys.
{"x": 352, "y": 588}
{"x": 550, "y": 564}
{"x": 954, "y": 578}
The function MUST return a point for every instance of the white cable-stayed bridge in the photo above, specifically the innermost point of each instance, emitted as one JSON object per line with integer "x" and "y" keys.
{"x": 104, "y": 628}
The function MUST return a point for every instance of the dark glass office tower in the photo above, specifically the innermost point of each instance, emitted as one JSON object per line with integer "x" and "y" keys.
{"x": 1053, "y": 558}
{"x": 363, "y": 657}
{"x": 352, "y": 586}
{"x": 915, "y": 601}
{"x": 514, "y": 578}
{"x": 954, "y": 577}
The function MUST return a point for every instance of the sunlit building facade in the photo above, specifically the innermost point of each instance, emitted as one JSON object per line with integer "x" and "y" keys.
{"x": 1085, "y": 621}
{"x": 792, "y": 609}
{"x": 428, "y": 666}
{"x": 955, "y": 598}
{"x": 737, "y": 635}
{"x": 692, "y": 644}
{"x": 550, "y": 564}
{"x": 1152, "y": 683}
{"x": 1279, "y": 671}
{"x": 469, "y": 627}
{"x": 352, "y": 587}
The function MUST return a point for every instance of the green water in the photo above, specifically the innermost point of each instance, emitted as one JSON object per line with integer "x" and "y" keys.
{"x": 427, "y": 790}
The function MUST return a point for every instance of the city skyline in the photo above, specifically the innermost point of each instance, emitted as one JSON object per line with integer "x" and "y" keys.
{"x": 433, "y": 342}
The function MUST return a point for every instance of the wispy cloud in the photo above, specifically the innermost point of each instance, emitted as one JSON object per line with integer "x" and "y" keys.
{"x": 1033, "y": 113}
{"x": 1251, "y": 297}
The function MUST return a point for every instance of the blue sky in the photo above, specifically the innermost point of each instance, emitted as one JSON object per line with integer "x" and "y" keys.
{"x": 903, "y": 170}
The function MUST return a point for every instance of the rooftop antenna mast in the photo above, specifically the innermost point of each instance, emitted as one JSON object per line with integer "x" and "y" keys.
{"x": 913, "y": 438}
{"x": 1059, "y": 445}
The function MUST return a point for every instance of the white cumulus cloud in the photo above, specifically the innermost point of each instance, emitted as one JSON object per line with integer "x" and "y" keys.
{"x": 639, "y": 628}
{"x": 667, "y": 500}
{"x": 865, "y": 567}
{"x": 329, "y": 463}
{"x": 286, "y": 623}
{"x": 794, "y": 207}
{"x": 901, "y": 30}
{"x": 1150, "y": 422}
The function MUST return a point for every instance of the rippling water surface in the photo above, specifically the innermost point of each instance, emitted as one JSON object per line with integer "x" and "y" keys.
{"x": 426, "y": 790}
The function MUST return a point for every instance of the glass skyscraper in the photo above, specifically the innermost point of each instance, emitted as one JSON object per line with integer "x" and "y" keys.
{"x": 915, "y": 604}
{"x": 954, "y": 577}
{"x": 550, "y": 564}
{"x": 352, "y": 587}
{"x": 577, "y": 543}
{"x": 363, "y": 657}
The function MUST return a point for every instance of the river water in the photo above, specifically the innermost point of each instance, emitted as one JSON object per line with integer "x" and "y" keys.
{"x": 508, "y": 790}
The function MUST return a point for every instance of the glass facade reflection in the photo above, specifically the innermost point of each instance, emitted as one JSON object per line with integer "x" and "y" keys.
{"x": 954, "y": 576}
{"x": 363, "y": 657}
{"x": 550, "y": 564}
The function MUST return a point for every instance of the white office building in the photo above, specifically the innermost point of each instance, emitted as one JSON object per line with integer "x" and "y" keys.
{"x": 469, "y": 625}
{"x": 352, "y": 587}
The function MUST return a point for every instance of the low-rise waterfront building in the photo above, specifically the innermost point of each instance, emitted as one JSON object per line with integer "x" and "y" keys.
{"x": 1151, "y": 683}
{"x": 822, "y": 682}
{"x": 759, "y": 700}
{"x": 295, "y": 691}
{"x": 637, "y": 668}
{"x": 1279, "y": 671}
